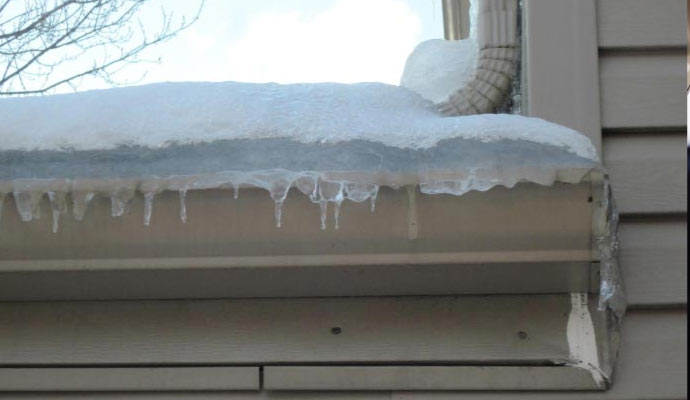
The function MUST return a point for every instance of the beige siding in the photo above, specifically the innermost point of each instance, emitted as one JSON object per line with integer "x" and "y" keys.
{"x": 643, "y": 89}
{"x": 642, "y": 53}
{"x": 654, "y": 258}
{"x": 641, "y": 23}
{"x": 648, "y": 172}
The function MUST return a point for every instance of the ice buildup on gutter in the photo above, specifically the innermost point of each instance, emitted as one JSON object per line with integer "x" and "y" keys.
{"x": 331, "y": 142}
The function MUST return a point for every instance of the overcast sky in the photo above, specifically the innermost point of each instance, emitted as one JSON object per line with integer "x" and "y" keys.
{"x": 289, "y": 41}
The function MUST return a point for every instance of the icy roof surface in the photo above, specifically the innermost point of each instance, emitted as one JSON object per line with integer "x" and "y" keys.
{"x": 160, "y": 115}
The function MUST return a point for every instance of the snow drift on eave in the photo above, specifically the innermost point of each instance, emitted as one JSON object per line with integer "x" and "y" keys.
{"x": 183, "y": 113}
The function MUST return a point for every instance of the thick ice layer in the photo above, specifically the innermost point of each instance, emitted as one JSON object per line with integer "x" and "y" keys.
{"x": 159, "y": 115}
{"x": 327, "y": 173}
{"x": 611, "y": 293}
{"x": 356, "y": 157}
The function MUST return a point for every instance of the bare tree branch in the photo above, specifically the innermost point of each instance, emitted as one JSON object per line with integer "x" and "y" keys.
{"x": 41, "y": 18}
{"x": 44, "y": 43}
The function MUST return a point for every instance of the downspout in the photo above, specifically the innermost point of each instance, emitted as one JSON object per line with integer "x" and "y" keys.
{"x": 456, "y": 19}
{"x": 497, "y": 38}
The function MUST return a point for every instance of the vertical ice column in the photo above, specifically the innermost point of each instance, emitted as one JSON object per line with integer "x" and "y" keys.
{"x": 120, "y": 196}
{"x": 58, "y": 205}
{"x": 278, "y": 183}
{"x": 148, "y": 207}
{"x": 183, "y": 206}
{"x": 82, "y": 193}
{"x": 28, "y": 202}
{"x": 279, "y": 191}
{"x": 80, "y": 203}
{"x": 606, "y": 243}
{"x": 2, "y": 201}
{"x": 150, "y": 187}
{"x": 330, "y": 192}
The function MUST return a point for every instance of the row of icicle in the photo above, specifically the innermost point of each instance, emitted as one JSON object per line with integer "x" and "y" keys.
{"x": 321, "y": 192}
{"x": 317, "y": 186}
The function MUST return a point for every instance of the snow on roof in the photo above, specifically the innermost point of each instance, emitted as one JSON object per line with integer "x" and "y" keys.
{"x": 160, "y": 115}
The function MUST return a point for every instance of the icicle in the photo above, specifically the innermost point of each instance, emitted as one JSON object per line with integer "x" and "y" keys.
{"x": 120, "y": 198}
{"x": 117, "y": 206}
{"x": 412, "y": 217}
{"x": 278, "y": 212}
{"x": 149, "y": 187}
{"x": 2, "y": 200}
{"x": 359, "y": 192}
{"x": 329, "y": 191}
{"x": 28, "y": 204}
{"x": 337, "y": 214}
{"x": 80, "y": 203}
{"x": 56, "y": 219}
{"x": 148, "y": 207}
{"x": 307, "y": 184}
{"x": 278, "y": 183}
{"x": 183, "y": 206}
{"x": 58, "y": 205}
{"x": 323, "y": 204}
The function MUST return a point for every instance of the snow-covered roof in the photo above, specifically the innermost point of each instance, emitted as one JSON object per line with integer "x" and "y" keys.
{"x": 158, "y": 115}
